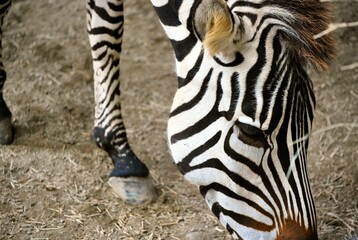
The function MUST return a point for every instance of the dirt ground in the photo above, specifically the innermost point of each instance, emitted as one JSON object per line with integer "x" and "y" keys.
{"x": 53, "y": 178}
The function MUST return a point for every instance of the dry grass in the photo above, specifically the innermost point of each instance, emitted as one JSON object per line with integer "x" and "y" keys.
{"x": 53, "y": 178}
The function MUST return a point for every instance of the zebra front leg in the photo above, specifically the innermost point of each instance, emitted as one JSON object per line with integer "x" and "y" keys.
{"x": 130, "y": 178}
{"x": 6, "y": 134}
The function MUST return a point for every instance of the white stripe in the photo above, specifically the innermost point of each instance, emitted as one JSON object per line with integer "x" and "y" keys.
{"x": 159, "y": 3}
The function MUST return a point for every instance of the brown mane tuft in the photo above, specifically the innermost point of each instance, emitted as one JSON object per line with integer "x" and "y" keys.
{"x": 311, "y": 17}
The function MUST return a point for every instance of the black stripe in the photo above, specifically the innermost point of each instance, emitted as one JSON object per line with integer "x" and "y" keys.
{"x": 272, "y": 79}
{"x": 235, "y": 92}
{"x": 203, "y": 123}
{"x": 238, "y": 157}
{"x": 241, "y": 219}
{"x": 116, "y": 7}
{"x": 249, "y": 102}
{"x": 232, "y": 232}
{"x": 168, "y": 14}
{"x": 184, "y": 165}
{"x": 248, "y": 4}
{"x": 107, "y": 44}
{"x": 278, "y": 108}
{"x": 192, "y": 72}
{"x": 239, "y": 180}
{"x": 292, "y": 114}
{"x": 199, "y": 96}
{"x": 292, "y": 208}
{"x": 116, "y": 92}
{"x": 116, "y": 33}
{"x": 300, "y": 162}
{"x": 228, "y": 192}
{"x": 278, "y": 181}
{"x": 183, "y": 48}
{"x": 258, "y": 170}
{"x": 237, "y": 61}
{"x": 101, "y": 56}
{"x": 281, "y": 137}
{"x": 103, "y": 14}
{"x": 251, "y": 16}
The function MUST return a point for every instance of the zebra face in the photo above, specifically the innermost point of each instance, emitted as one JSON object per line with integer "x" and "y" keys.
{"x": 243, "y": 111}
{"x": 245, "y": 146}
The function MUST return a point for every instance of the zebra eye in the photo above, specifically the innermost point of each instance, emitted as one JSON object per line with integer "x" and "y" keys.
{"x": 251, "y": 135}
{"x": 250, "y": 130}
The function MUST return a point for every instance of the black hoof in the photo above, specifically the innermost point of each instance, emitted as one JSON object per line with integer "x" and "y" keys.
{"x": 128, "y": 165}
{"x": 129, "y": 179}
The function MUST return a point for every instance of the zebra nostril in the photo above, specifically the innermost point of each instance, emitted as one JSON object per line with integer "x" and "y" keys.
{"x": 251, "y": 135}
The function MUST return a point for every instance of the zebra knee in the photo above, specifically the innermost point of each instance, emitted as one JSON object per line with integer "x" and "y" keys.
{"x": 126, "y": 163}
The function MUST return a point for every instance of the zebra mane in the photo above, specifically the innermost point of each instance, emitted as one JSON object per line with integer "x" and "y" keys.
{"x": 309, "y": 18}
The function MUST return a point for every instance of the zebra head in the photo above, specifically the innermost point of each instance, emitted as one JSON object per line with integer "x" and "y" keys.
{"x": 243, "y": 110}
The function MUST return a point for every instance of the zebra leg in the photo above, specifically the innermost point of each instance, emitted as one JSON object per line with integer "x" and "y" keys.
{"x": 6, "y": 134}
{"x": 130, "y": 178}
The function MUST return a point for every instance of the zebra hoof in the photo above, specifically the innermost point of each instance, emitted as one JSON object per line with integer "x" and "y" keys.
{"x": 6, "y": 134}
{"x": 134, "y": 190}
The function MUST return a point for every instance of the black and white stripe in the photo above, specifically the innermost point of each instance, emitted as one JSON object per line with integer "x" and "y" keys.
{"x": 105, "y": 30}
{"x": 239, "y": 124}
{"x": 240, "y": 121}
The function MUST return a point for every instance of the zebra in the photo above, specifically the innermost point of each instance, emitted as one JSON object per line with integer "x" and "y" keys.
{"x": 244, "y": 107}
{"x": 241, "y": 117}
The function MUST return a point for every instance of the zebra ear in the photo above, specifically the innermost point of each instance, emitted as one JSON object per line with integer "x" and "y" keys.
{"x": 219, "y": 30}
